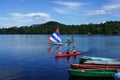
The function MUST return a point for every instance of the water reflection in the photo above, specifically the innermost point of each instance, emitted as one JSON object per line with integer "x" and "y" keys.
{"x": 89, "y": 78}
{"x": 10, "y": 72}
{"x": 54, "y": 48}
{"x": 73, "y": 58}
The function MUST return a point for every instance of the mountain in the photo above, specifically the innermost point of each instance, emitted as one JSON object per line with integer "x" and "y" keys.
{"x": 110, "y": 27}
{"x": 51, "y": 23}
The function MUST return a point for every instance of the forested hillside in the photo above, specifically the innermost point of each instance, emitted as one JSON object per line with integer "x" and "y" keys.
{"x": 111, "y": 27}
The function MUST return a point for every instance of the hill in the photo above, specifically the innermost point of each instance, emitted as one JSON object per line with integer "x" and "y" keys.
{"x": 110, "y": 27}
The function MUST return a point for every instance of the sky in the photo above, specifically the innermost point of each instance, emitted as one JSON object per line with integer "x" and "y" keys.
{"x": 28, "y": 12}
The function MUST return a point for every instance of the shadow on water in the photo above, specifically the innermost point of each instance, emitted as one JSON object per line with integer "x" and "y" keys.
{"x": 89, "y": 78}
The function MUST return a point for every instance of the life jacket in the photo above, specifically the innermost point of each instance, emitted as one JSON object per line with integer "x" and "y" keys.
{"x": 74, "y": 50}
{"x": 59, "y": 52}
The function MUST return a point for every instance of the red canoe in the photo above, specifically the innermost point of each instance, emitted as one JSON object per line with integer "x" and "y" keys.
{"x": 67, "y": 55}
{"x": 87, "y": 66}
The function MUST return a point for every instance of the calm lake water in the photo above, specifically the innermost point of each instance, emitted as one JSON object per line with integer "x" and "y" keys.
{"x": 31, "y": 57}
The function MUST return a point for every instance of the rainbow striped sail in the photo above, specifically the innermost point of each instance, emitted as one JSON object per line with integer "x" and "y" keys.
{"x": 55, "y": 38}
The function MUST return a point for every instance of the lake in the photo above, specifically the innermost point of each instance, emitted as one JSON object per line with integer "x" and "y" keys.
{"x": 31, "y": 57}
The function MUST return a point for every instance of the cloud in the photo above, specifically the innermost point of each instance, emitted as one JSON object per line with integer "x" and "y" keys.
{"x": 21, "y": 19}
{"x": 111, "y": 7}
{"x": 60, "y": 10}
{"x": 64, "y": 7}
{"x": 20, "y": 15}
{"x": 97, "y": 12}
{"x": 69, "y": 4}
{"x": 3, "y": 18}
{"x": 31, "y": 18}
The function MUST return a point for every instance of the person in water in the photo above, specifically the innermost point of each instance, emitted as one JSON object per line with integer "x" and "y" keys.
{"x": 74, "y": 50}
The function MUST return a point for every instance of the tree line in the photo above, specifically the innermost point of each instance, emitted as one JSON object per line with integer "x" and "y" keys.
{"x": 107, "y": 28}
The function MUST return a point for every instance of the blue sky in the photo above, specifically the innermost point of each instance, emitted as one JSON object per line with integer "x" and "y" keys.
{"x": 28, "y": 12}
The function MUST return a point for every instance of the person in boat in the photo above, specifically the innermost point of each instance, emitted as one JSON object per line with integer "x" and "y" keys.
{"x": 68, "y": 51}
{"x": 82, "y": 60}
{"x": 59, "y": 52}
{"x": 74, "y": 50}
{"x": 68, "y": 41}
{"x": 72, "y": 40}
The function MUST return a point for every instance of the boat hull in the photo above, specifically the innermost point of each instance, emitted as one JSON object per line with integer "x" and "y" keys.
{"x": 103, "y": 62}
{"x": 58, "y": 43}
{"x": 117, "y": 76}
{"x": 91, "y": 72}
{"x": 67, "y": 55}
{"x": 95, "y": 58}
{"x": 87, "y": 66}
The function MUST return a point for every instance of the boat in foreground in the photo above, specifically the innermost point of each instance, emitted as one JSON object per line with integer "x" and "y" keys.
{"x": 89, "y": 66}
{"x": 103, "y": 62}
{"x": 95, "y": 58}
{"x": 67, "y": 55}
{"x": 117, "y": 76}
{"x": 90, "y": 78}
{"x": 91, "y": 72}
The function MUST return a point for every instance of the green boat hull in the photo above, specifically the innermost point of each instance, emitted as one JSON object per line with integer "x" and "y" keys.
{"x": 91, "y": 72}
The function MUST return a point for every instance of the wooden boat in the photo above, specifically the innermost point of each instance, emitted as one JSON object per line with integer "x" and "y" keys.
{"x": 103, "y": 62}
{"x": 95, "y": 58}
{"x": 91, "y": 72}
{"x": 67, "y": 55}
{"x": 117, "y": 76}
{"x": 87, "y": 66}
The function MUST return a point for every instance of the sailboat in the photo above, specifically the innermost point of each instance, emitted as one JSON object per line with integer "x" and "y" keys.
{"x": 55, "y": 38}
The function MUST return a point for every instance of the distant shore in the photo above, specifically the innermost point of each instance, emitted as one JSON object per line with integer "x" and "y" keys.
{"x": 107, "y": 28}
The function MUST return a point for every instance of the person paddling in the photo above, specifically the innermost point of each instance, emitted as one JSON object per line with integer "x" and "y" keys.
{"x": 68, "y": 51}
{"x": 59, "y": 52}
{"x": 74, "y": 50}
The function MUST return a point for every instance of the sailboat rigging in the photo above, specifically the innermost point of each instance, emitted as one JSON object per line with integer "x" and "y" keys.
{"x": 55, "y": 38}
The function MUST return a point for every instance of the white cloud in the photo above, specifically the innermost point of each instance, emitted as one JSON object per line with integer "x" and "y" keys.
{"x": 31, "y": 18}
{"x": 20, "y": 15}
{"x": 113, "y": 6}
{"x": 17, "y": 15}
{"x": 97, "y": 12}
{"x": 59, "y": 10}
{"x": 69, "y": 4}
{"x": 20, "y": 19}
{"x": 64, "y": 7}
{"x": 3, "y": 18}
